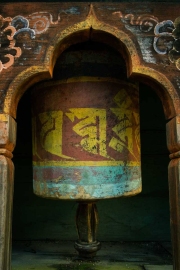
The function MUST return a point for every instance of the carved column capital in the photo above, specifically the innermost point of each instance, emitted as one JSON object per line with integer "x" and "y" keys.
{"x": 7, "y": 135}
{"x": 173, "y": 137}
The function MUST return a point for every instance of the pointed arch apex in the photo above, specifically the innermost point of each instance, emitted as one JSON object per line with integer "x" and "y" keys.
{"x": 96, "y": 30}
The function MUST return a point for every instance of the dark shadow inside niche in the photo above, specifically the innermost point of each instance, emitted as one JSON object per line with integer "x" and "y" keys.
{"x": 144, "y": 217}
{"x": 90, "y": 59}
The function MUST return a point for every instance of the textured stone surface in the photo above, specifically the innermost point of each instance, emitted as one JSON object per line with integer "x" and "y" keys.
{"x": 158, "y": 267}
{"x": 113, "y": 256}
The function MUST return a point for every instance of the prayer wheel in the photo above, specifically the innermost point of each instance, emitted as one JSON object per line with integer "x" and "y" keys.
{"x": 86, "y": 146}
{"x": 86, "y": 143}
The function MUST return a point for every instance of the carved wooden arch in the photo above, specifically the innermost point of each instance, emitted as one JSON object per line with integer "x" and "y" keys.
{"x": 83, "y": 31}
{"x": 88, "y": 21}
{"x": 77, "y": 33}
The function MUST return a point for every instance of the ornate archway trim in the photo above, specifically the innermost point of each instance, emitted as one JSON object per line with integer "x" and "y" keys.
{"x": 92, "y": 23}
{"x": 168, "y": 94}
{"x": 62, "y": 41}
{"x": 20, "y": 84}
{"x": 70, "y": 36}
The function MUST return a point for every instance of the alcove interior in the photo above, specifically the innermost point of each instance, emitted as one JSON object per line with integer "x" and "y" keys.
{"x": 143, "y": 218}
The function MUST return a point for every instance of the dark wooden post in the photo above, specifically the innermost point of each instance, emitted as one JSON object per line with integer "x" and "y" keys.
{"x": 86, "y": 222}
{"x": 7, "y": 143}
{"x": 173, "y": 142}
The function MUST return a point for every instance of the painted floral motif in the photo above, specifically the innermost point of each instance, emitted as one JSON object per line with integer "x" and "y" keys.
{"x": 8, "y": 51}
{"x": 41, "y": 21}
{"x": 19, "y": 28}
{"x": 167, "y": 40}
{"x": 174, "y": 54}
{"x": 167, "y": 33}
{"x": 163, "y": 41}
{"x": 144, "y": 22}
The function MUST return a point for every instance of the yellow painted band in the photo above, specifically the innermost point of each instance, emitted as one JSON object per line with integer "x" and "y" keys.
{"x": 86, "y": 163}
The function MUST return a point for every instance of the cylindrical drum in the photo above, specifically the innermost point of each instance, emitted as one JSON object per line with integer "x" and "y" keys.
{"x": 86, "y": 140}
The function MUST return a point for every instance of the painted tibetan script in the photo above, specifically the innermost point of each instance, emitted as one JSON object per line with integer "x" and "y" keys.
{"x": 89, "y": 133}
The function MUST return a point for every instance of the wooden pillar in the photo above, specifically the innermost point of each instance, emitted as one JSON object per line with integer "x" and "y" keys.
{"x": 7, "y": 143}
{"x": 173, "y": 142}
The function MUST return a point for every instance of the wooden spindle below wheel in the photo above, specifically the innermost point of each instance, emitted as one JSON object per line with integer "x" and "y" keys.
{"x": 86, "y": 222}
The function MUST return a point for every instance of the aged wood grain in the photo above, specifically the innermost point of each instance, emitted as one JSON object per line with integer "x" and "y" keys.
{"x": 147, "y": 36}
{"x": 128, "y": 27}
{"x": 6, "y": 199}
{"x": 173, "y": 143}
{"x": 173, "y": 136}
{"x": 7, "y": 144}
{"x": 173, "y": 172}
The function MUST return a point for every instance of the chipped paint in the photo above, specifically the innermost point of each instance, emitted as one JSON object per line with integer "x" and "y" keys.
{"x": 86, "y": 147}
{"x": 71, "y": 10}
{"x": 26, "y": 28}
{"x": 94, "y": 182}
{"x": 146, "y": 49}
{"x": 7, "y": 32}
{"x": 145, "y": 22}
{"x": 41, "y": 21}
{"x": 165, "y": 40}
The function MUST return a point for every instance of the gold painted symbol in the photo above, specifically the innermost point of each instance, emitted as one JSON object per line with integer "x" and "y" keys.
{"x": 51, "y": 132}
{"x": 92, "y": 127}
{"x": 125, "y": 128}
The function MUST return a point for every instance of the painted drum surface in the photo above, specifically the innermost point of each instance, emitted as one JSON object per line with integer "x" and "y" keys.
{"x": 86, "y": 139}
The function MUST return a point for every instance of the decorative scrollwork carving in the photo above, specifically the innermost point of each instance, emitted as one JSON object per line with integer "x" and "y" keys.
{"x": 163, "y": 41}
{"x": 145, "y": 22}
{"x": 21, "y": 25}
{"x": 174, "y": 54}
{"x": 40, "y": 21}
{"x": 167, "y": 40}
{"x": 166, "y": 33}
{"x": 19, "y": 28}
{"x": 8, "y": 51}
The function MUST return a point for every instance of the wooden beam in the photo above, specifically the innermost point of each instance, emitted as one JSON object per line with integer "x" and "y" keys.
{"x": 7, "y": 143}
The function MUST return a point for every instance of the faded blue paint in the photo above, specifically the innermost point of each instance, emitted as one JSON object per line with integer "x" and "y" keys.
{"x": 71, "y": 10}
{"x": 85, "y": 182}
